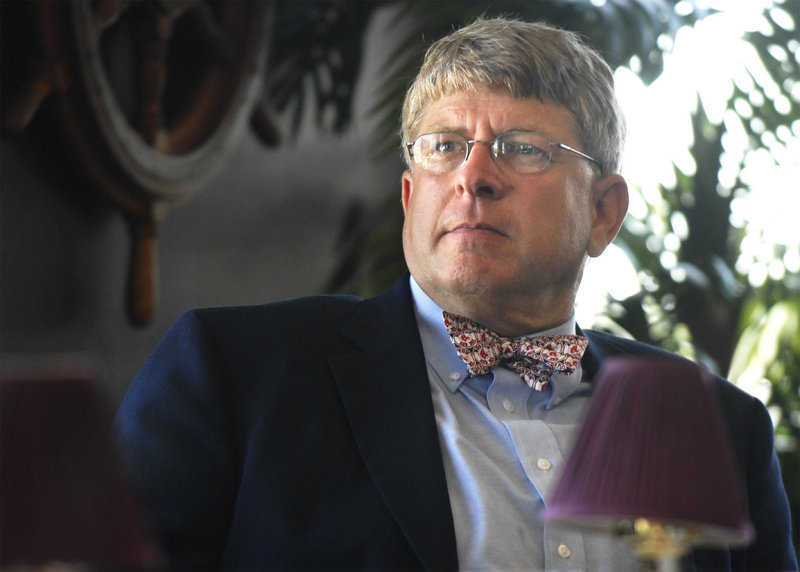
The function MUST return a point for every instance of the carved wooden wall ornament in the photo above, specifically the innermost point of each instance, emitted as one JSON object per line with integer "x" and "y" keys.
{"x": 153, "y": 95}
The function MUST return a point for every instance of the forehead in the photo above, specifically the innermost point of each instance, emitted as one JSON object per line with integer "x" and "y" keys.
{"x": 484, "y": 113}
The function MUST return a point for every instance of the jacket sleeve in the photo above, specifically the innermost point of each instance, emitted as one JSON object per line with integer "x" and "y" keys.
{"x": 175, "y": 438}
{"x": 766, "y": 503}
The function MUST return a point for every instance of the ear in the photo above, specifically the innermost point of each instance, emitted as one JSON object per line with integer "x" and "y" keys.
{"x": 408, "y": 188}
{"x": 610, "y": 203}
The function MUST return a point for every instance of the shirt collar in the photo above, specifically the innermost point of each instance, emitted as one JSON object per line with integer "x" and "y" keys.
{"x": 442, "y": 357}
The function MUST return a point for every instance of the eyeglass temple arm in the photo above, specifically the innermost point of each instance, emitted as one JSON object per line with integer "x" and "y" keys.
{"x": 584, "y": 155}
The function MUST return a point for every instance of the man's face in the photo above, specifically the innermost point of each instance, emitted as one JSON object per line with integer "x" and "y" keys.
{"x": 504, "y": 248}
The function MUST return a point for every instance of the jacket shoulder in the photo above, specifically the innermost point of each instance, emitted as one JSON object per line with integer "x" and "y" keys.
{"x": 609, "y": 345}
{"x": 288, "y": 315}
{"x": 604, "y": 345}
{"x": 318, "y": 320}
{"x": 324, "y": 305}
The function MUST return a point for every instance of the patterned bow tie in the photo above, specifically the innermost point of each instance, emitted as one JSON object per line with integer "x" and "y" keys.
{"x": 535, "y": 359}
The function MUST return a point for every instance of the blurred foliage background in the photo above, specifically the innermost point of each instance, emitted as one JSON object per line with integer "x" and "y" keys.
{"x": 714, "y": 281}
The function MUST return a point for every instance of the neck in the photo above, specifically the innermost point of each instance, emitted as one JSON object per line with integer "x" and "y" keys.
{"x": 509, "y": 317}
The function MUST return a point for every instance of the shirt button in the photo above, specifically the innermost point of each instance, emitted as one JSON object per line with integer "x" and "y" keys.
{"x": 455, "y": 376}
{"x": 545, "y": 465}
{"x": 564, "y": 551}
{"x": 508, "y": 405}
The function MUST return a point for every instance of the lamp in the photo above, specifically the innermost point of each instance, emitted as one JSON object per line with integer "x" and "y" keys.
{"x": 651, "y": 462}
{"x": 65, "y": 503}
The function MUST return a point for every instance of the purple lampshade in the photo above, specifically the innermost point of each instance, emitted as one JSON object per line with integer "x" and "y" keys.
{"x": 63, "y": 495}
{"x": 652, "y": 445}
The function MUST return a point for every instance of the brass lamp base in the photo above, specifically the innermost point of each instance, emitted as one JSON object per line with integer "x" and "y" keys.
{"x": 658, "y": 546}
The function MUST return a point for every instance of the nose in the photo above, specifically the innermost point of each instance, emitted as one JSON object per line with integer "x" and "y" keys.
{"x": 479, "y": 174}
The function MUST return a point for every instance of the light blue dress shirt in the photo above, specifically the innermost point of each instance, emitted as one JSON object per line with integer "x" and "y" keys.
{"x": 503, "y": 446}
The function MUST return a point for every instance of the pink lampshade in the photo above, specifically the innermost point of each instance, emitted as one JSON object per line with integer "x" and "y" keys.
{"x": 652, "y": 445}
{"x": 64, "y": 501}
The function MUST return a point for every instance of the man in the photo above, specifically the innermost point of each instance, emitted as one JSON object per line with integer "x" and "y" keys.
{"x": 340, "y": 433}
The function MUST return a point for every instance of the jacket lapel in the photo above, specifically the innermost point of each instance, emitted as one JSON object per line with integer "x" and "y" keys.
{"x": 593, "y": 356}
{"x": 386, "y": 392}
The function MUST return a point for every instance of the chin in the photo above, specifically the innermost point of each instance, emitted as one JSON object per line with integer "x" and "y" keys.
{"x": 475, "y": 280}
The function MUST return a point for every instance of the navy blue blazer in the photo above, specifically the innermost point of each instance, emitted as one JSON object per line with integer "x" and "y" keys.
{"x": 301, "y": 435}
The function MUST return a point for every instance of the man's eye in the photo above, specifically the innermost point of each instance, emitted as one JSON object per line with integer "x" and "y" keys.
{"x": 523, "y": 149}
{"x": 446, "y": 147}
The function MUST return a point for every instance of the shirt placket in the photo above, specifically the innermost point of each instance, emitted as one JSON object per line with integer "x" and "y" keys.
{"x": 541, "y": 460}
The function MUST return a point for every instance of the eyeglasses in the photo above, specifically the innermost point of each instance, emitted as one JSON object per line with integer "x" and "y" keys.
{"x": 521, "y": 151}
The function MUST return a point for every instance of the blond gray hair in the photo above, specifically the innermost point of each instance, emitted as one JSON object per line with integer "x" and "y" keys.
{"x": 525, "y": 60}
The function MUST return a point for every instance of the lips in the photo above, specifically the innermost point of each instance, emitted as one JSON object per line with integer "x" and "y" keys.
{"x": 477, "y": 227}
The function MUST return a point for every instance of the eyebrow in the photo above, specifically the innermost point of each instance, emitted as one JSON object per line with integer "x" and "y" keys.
{"x": 442, "y": 128}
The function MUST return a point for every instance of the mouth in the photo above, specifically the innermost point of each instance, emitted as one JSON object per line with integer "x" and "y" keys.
{"x": 477, "y": 228}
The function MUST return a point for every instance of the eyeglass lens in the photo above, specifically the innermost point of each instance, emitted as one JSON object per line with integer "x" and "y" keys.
{"x": 443, "y": 152}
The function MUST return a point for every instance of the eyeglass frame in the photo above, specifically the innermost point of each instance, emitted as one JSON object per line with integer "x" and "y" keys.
{"x": 471, "y": 143}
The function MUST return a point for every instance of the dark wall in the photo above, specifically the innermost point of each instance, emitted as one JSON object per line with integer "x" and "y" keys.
{"x": 262, "y": 230}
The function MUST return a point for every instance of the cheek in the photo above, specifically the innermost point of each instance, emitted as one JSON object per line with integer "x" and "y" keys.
{"x": 419, "y": 222}
{"x": 579, "y": 219}
{"x": 422, "y": 206}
